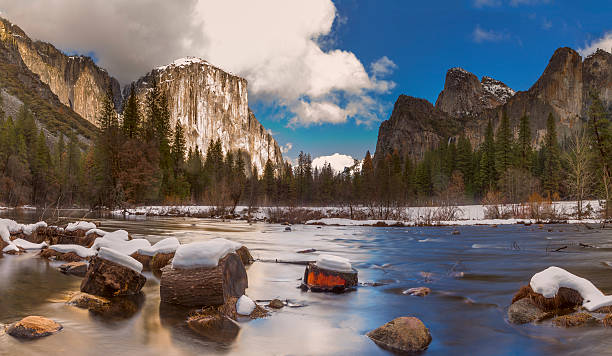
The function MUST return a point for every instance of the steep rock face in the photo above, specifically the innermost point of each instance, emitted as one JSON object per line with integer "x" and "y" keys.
{"x": 562, "y": 89}
{"x": 414, "y": 127}
{"x": 76, "y": 80}
{"x": 20, "y": 85}
{"x": 464, "y": 95}
{"x": 211, "y": 104}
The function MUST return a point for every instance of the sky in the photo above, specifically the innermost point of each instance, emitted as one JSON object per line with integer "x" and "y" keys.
{"x": 323, "y": 74}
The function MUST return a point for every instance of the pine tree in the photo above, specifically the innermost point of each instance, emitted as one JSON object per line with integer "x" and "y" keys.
{"x": 551, "y": 174}
{"x": 131, "y": 115}
{"x": 178, "y": 148}
{"x": 503, "y": 145}
{"x": 488, "y": 175}
{"x": 600, "y": 126}
{"x": 464, "y": 161}
{"x": 524, "y": 154}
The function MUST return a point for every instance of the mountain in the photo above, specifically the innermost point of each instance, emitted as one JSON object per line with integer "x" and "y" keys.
{"x": 466, "y": 104}
{"x": 211, "y": 104}
{"x": 22, "y": 86}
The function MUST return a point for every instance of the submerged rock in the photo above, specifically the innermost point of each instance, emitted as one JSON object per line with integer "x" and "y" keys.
{"x": 572, "y": 320}
{"x": 109, "y": 279}
{"x": 418, "y": 291}
{"x": 88, "y": 301}
{"x": 525, "y": 311}
{"x": 404, "y": 334}
{"x": 33, "y": 327}
{"x": 75, "y": 268}
{"x": 218, "y": 328}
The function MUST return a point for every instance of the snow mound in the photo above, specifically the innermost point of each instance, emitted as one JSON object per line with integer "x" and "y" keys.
{"x": 203, "y": 254}
{"x": 120, "y": 235}
{"x": 120, "y": 259}
{"x": 8, "y": 227}
{"x": 551, "y": 279}
{"x": 168, "y": 245}
{"x": 10, "y": 247}
{"x": 115, "y": 242}
{"x": 334, "y": 263}
{"x": 96, "y": 231}
{"x": 80, "y": 225}
{"x": 27, "y": 245}
{"x": 29, "y": 229}
{"x": 245, "y": 305}
{"x": 78, "y": 249}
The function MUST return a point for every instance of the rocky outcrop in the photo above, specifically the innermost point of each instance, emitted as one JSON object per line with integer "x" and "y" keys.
{"x": 211, "y": 104}
{"x": 466, "y": 105}
{"x": 76, "y": 80}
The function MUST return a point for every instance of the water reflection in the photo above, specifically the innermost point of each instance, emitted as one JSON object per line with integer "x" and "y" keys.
{"x": 471, "y": 289}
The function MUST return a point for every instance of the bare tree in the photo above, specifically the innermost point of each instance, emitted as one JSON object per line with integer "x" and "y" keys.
{"x": 580, "y": 176}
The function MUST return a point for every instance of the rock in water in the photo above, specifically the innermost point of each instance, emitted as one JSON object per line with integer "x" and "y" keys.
{"x": 245, "y": 305}
{"x": 75, "y": 268}
{"x": 404, "y": 334}
{"x": 276, "y": 304}
{"x": 572, "y": 320}
{"x": 33, "y": 327}
{"x": 525, "y": 311}
{"x": 204, "y": 286}
{"x": 109, "y": 279}
{"x": 245, "y": 255}
{"x": 418, "y": 291}
{"x": 218, "y": 328}
{"x": 88, "y": 301}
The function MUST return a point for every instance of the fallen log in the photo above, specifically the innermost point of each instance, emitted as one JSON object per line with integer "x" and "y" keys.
{"x": 204, "y": 286}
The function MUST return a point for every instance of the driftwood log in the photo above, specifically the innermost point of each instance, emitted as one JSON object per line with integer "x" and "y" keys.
{"x": 324, "y": 280}
{"x": 204, "y": 286}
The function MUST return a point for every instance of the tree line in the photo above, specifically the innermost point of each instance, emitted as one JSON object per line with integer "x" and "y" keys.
{"x": 139, "y": 158}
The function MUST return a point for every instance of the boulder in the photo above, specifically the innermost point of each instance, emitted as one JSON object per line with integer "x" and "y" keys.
{"x": 109, "y": 279}
{"x": 33, "y": 327}
{"x": 571, "y": 320}
{"x": 111, "y": 308}
{"x": 525, "y": 311}
{"x": 88, "y": 301}
{"x": 418, "y": 291}
{"x": 402, "y": 335}
{"x": 276, "y": 304}
{"x": 75, "y": 268}
{"x": 204, "y": 286}
{"x": 565, "y": 298}
{"x": 160, "y": 260}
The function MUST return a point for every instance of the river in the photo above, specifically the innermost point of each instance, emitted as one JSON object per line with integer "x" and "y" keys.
{"x": 472, "y": 277}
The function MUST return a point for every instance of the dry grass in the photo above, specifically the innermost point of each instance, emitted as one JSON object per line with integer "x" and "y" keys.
{"x": 160, "y": 260}
{"x": 607, "y": 320}
{"x": 571, "y": 320}
{"x": 565, "y": 298}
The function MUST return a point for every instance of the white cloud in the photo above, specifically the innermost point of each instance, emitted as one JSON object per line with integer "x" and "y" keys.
{"x": 274, "y": 44}
{"x": 480, "y": 35}
{"x": 337, "y": 162}
{"x": 605, "y": 43}
{"x": 383, "y": 66}
{"x": 287, "y": 147}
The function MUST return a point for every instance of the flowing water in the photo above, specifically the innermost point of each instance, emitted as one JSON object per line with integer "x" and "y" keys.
{"x": 472, "y": 277}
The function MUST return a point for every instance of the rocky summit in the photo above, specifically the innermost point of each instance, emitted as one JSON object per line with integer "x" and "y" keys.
{"x": 466, "y": 104}
{"x": 211, "y": 104}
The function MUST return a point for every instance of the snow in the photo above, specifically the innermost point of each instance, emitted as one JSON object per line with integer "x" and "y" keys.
{"x": 29, "y": 229}
{"x": 8, "y": 227}
{"x": 27, "y": 245}
{"x": 203, "y": 254}
{"x": 245, "y": 305}
{"x": 168, "y": 245}
{"x": 78, "y": 249}
{"x": 548, "y": 282}
{"x": 120, "y": 235}
{"x": 96, "y": 231}
{"x": 120, "y": 259}
{"x": 10, "y": 247}
{"x": 334, "y": 263}
{"x": 337, "y": 161}
{"x": 80, "y": 225}
{"x": 115, "y": 243}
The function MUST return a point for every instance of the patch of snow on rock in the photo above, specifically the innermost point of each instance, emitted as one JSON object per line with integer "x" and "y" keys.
{"x": 203, "y": 254}
{"x": 10, "y": 247}
{"x": 96, "y": 231}
{"x": 80, "y": 225}
{"x": 245, "y": 305}
{"x": 120, "y": 259}
{"x": 78, "y": 249}
{"x": 29, "y": 245}
{"x": 548, "y": 282}
{"x": 168, "y": 245}
{"x": 334, "y": 263}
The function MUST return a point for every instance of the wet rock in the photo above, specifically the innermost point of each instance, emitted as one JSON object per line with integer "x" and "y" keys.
{"x": 565, "y": 298}
{"x": 245, "y": 255}
{"x": 88, "y": 301}
{"x": 116, "y": 308}
{"x": 572, "y": 320}
{"x": 53, "y": 255}
{"x": 161, "y": 260}
{"x": 287, "y": 228}
{"x": 217, "y": 328}
{"x": 144, "y": 259}
{"x": 456, "y": 232}
{"x": 418, "y": 291}
{"x": 404, "y": 334}
{"x": 75, "y": 268}
{"x": 276, "y": 304}
{"x": 109, "y": 279}
{"x": 525, "y": 311}
{"x": 33, "y": 327}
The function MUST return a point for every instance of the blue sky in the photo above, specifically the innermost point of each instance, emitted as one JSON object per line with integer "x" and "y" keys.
{"x": 511, "y": 42}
